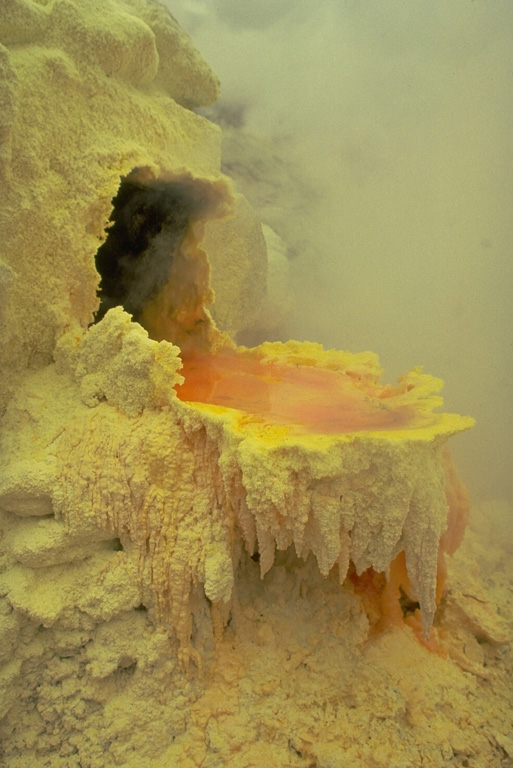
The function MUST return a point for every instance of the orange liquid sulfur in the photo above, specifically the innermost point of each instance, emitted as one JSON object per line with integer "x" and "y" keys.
{"x": 309, "y": 400}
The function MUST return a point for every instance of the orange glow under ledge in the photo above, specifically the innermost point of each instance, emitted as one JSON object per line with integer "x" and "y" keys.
{"x": 315, "y": 400}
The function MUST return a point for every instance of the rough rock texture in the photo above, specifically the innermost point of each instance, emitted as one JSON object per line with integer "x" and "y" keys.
{"x": 116, "y": 453}
{"x": 135, "y": 529}
{"x": 294, "y": 681}
{"x": 88, "y": 91}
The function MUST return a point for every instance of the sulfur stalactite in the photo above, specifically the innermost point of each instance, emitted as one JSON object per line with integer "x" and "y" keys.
{"x": 354, "y": 470}
{"x": 191, "y": 482}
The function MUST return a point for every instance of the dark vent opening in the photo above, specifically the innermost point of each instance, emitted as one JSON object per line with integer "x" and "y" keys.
{"x": 148, "y": 223}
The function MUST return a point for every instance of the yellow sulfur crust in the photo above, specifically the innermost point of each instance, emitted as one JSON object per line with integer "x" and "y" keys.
{"x": 145, "y": 464}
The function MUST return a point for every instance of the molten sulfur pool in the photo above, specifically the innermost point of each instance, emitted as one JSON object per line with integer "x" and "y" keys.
{"x": 308, "y": 399}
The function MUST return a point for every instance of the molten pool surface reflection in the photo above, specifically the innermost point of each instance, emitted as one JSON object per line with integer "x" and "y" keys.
{"x": 309, "y": 399}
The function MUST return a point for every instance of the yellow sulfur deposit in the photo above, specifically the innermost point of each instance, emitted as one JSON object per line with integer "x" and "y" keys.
{"x": 244, "y": 481}
{"x": 210, "y": 555}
